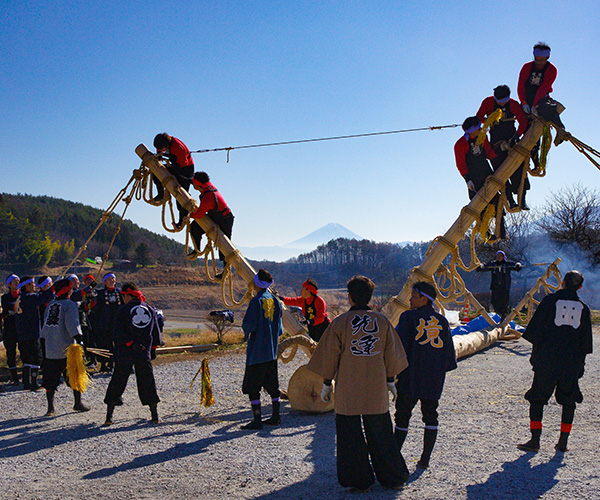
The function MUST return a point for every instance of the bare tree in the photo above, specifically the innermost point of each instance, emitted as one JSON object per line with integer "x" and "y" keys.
{"x": 571, "y": 217}
{"x": 220, "y": 322}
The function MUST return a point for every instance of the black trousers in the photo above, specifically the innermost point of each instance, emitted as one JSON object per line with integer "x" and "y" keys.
{"x": 31, "y": 352}
{"x": 10, "y": 344}
{"x": 353, "y": 451}
{"x": 514, "y": 181}
{"x": 144, "y": 377}
{"x": 261, "y": 375}
{"x": 184, "y": 177}
{"x": 405, "y": 406}
{"x": 500, "y": 300}
{"x": 53, "y": 370}
{"x": 316, "y": 332}
{"x": 545, "y": 384}
{"x": 225, "y": 224}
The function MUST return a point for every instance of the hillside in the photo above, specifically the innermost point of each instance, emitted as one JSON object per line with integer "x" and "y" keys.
{"x": 39, "y": 230}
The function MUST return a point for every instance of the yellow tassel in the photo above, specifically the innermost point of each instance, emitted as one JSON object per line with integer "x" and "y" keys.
{"x": 77, "y": 375}
{"x": 545, "y": 147}
{"x": 490, "y": 213}
{"x": 492, "y": 119}
{"x": 206, "y": 395}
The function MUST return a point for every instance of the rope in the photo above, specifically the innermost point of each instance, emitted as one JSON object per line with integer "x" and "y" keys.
{"x": 584, "y": 149}
{"x": 136, "y": 178}
{"x": 491, "y": 120}
{"x": 304, "y": 141}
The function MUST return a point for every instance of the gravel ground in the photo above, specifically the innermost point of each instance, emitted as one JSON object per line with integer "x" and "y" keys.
{"x": 203, "y": 453}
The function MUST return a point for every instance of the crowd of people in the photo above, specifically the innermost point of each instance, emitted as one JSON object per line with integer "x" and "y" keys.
{"x": 360, "y": 352}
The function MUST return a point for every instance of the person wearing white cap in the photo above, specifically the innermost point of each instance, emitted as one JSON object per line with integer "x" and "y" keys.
{"x": 501, "y": 280}
{"x": 9, "y": 328}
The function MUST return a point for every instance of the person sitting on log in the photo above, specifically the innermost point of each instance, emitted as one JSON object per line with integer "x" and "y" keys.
{"x": 313, "y": 307}
{"x": 181, "y": 165}
{"x": 212, "y": 204}
{"x": 535, "y": 84}
{"x": 503, "y": 131}
{"x": 472, "y": 162}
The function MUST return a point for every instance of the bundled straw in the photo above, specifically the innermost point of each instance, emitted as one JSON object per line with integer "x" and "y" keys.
{"x": 206, "y": 395}
{"x": 76, "y": 373}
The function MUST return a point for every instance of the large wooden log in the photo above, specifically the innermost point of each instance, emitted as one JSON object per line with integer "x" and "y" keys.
{"x": 222, "y": 242}
{"x": 468, "y": 215}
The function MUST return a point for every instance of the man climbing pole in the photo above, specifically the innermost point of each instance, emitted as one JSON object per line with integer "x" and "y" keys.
{"x": 212, "y": 204}
{"x": 504, "y": 134}
{"x": 472, "y": 162}
{"x": 181, "y": 165}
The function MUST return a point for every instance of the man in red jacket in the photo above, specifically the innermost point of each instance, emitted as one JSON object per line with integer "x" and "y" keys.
{"x": 313, "y": 307}
{"x": 505, "y": 131}
{"x": 535, "y": 84}
{"x": 213, "y": 205}
{"x": 181, "y": 166}
{"x": 472, "y": 161}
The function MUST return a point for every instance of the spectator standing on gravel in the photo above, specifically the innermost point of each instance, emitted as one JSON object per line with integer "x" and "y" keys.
{"x": 561, "y": 333}
{"x": 313, "y": 307}
{"x": 27, "y": 320}
{"x": 108, "y": 301}
{"x": 61, "y": 326}
{"x": 136, "y": 336}
{"x": 9, "y": 326}
{"x": 501, "y": 281}
{"x": 360, "y": 349}
{"x": 262, "y": 328}
{"x": 427, "y": 340}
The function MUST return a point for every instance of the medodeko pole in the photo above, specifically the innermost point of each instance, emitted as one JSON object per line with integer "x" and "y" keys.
{"x": 468, "y": 215}
{"x": 222, "y": 242}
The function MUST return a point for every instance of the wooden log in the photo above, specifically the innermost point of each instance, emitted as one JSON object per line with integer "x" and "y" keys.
{"x": 223, "y": 243}
{"x": 440, "y": 250}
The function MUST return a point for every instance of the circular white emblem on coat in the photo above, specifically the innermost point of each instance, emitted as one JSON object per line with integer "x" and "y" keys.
{"x": 140, "y": 317}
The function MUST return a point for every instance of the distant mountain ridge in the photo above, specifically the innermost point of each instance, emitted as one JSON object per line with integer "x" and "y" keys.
{"x": 281, "y": 253}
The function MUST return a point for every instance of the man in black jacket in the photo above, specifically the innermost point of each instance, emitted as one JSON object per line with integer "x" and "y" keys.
{"x": 561, "y": 334}
{"x": 135, "y": 336}
{"x": 501, "y": 281}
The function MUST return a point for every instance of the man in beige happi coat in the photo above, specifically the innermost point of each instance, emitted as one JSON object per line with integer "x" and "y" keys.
{"x": 361, "y": 350}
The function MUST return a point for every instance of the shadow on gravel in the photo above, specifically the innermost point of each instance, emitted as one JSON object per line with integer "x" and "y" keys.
{"x": 27, "y": 438}
{"x": 512, "y": 348}
{"x": 518, "y": 480}
{"x": 226, "y": 433}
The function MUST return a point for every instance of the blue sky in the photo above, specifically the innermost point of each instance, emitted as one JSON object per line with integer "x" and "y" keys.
{"x": 83, "y": 85}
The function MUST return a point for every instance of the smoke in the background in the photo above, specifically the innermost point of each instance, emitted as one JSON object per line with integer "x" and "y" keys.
{"x": 542, "y": 250}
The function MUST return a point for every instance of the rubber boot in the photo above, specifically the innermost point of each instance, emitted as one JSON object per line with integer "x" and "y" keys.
{"x": 154, "y": 414}
{"x": 510, "y": 199}
{"x": 533, "y": 445}
{"x": 79, "y": 406}
{"x": 14, "y": 375}
{"x": 400, "y": 436}
{"x": 257, "y": 422}
{"x": 26, "y": 377}
{"x": 110, "y": 408}
{"x": 523, "y": 202}
{"x": 50, "y": 399}
{"x": 429, "y": 438}
{"x": 274, "y": 419}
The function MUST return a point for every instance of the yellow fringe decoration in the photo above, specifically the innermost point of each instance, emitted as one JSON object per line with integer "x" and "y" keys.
{"x": 206, "y": 394}
{"x": 490, "y": 213}
{"x": 492, "y": 119}
{"x": 77, "y": 375}
{"x": 544, "y": 148}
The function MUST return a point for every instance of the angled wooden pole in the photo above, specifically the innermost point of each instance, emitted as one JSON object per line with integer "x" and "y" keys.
{"x": 223, "y": 243}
